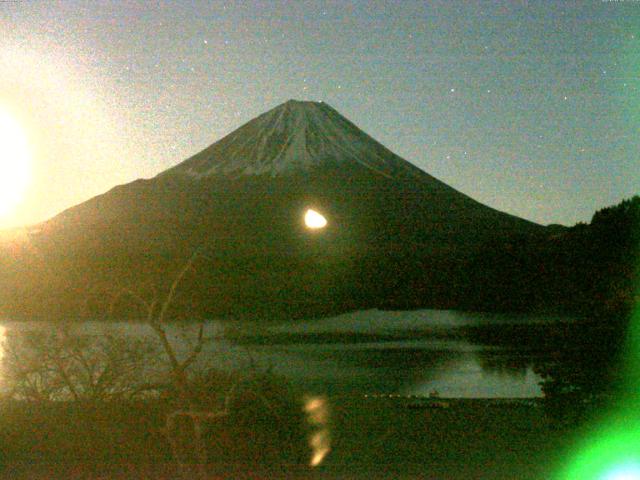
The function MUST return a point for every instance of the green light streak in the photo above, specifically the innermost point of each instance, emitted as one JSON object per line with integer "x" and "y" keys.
{"x": 610, "y": 450}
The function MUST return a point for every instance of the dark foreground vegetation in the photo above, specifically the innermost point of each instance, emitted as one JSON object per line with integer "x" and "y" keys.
{"x": 77, "y": 409}
{"x": 369, "y": 438}
{"x": 261, "y": 426}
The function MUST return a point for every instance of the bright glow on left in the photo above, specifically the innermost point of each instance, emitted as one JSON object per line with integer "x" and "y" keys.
{"x": 15, "y": 159}
{"x": 3, "y": 338}
{"x": 314, "y": 220}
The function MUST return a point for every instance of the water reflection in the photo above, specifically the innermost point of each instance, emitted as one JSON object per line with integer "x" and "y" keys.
{"x": 405, "y": 354}
{"x": 317, "y": 410}
{"x": 469, "y": 377}
{"x": 506, "y": 363}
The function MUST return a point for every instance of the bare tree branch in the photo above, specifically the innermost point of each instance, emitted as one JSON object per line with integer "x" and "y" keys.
{"x": 174, "y": 286}
{"x": 196, "y": 350}
{"x": 127, "y": 291}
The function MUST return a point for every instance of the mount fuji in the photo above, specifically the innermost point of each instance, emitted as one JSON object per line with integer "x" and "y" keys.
{"x": 394, "y": 234}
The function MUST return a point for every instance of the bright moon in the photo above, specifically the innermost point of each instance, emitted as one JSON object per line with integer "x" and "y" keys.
{"x": 14, "y": 162}
{"x": 314, "y": 220}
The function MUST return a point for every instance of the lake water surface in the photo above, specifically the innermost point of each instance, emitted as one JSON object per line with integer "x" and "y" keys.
{"x": 364, "y": 353}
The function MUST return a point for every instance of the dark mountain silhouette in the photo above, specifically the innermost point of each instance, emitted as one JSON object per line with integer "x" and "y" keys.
{"x": 240, "y": 203}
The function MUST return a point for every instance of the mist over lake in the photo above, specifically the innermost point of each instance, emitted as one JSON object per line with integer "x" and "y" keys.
{"x": 368, "y": 352}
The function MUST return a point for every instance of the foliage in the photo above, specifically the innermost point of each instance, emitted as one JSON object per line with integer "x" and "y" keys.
{"x": 53, "y": 365}
{"x": 589, "y": 270}
{"x": 264, "y": 424}
{"x": 585, "y": 373}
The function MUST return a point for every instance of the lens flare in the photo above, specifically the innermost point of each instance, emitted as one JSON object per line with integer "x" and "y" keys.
{"x": 611, "y": 452}
{"x": 629, "y": 471}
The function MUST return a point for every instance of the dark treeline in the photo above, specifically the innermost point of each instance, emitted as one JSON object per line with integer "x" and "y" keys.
{"x": 588, "y": 269}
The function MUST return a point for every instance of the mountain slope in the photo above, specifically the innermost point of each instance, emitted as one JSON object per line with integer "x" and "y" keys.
{"x": 293, "y": 137}
{"x": 241, "y": 203}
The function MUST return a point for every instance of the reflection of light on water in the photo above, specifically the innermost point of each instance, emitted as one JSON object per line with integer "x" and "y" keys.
{"x": 319, "y": 442}
{"x": 464, "y": 377}
{"x": 317, "y": 411}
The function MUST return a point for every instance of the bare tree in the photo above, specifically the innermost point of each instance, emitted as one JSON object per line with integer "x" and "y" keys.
{"x": 190, "y": 407}
{"x": 61, "y": 365}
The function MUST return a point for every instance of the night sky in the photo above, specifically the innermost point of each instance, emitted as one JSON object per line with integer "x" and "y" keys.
{"x": 531, "y": 109}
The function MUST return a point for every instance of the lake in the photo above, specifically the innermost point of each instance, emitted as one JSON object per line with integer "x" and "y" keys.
{"x": 360, "y": 353}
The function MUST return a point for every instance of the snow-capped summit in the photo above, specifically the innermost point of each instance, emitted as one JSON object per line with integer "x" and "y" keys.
{"x": 294, "y": 136}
